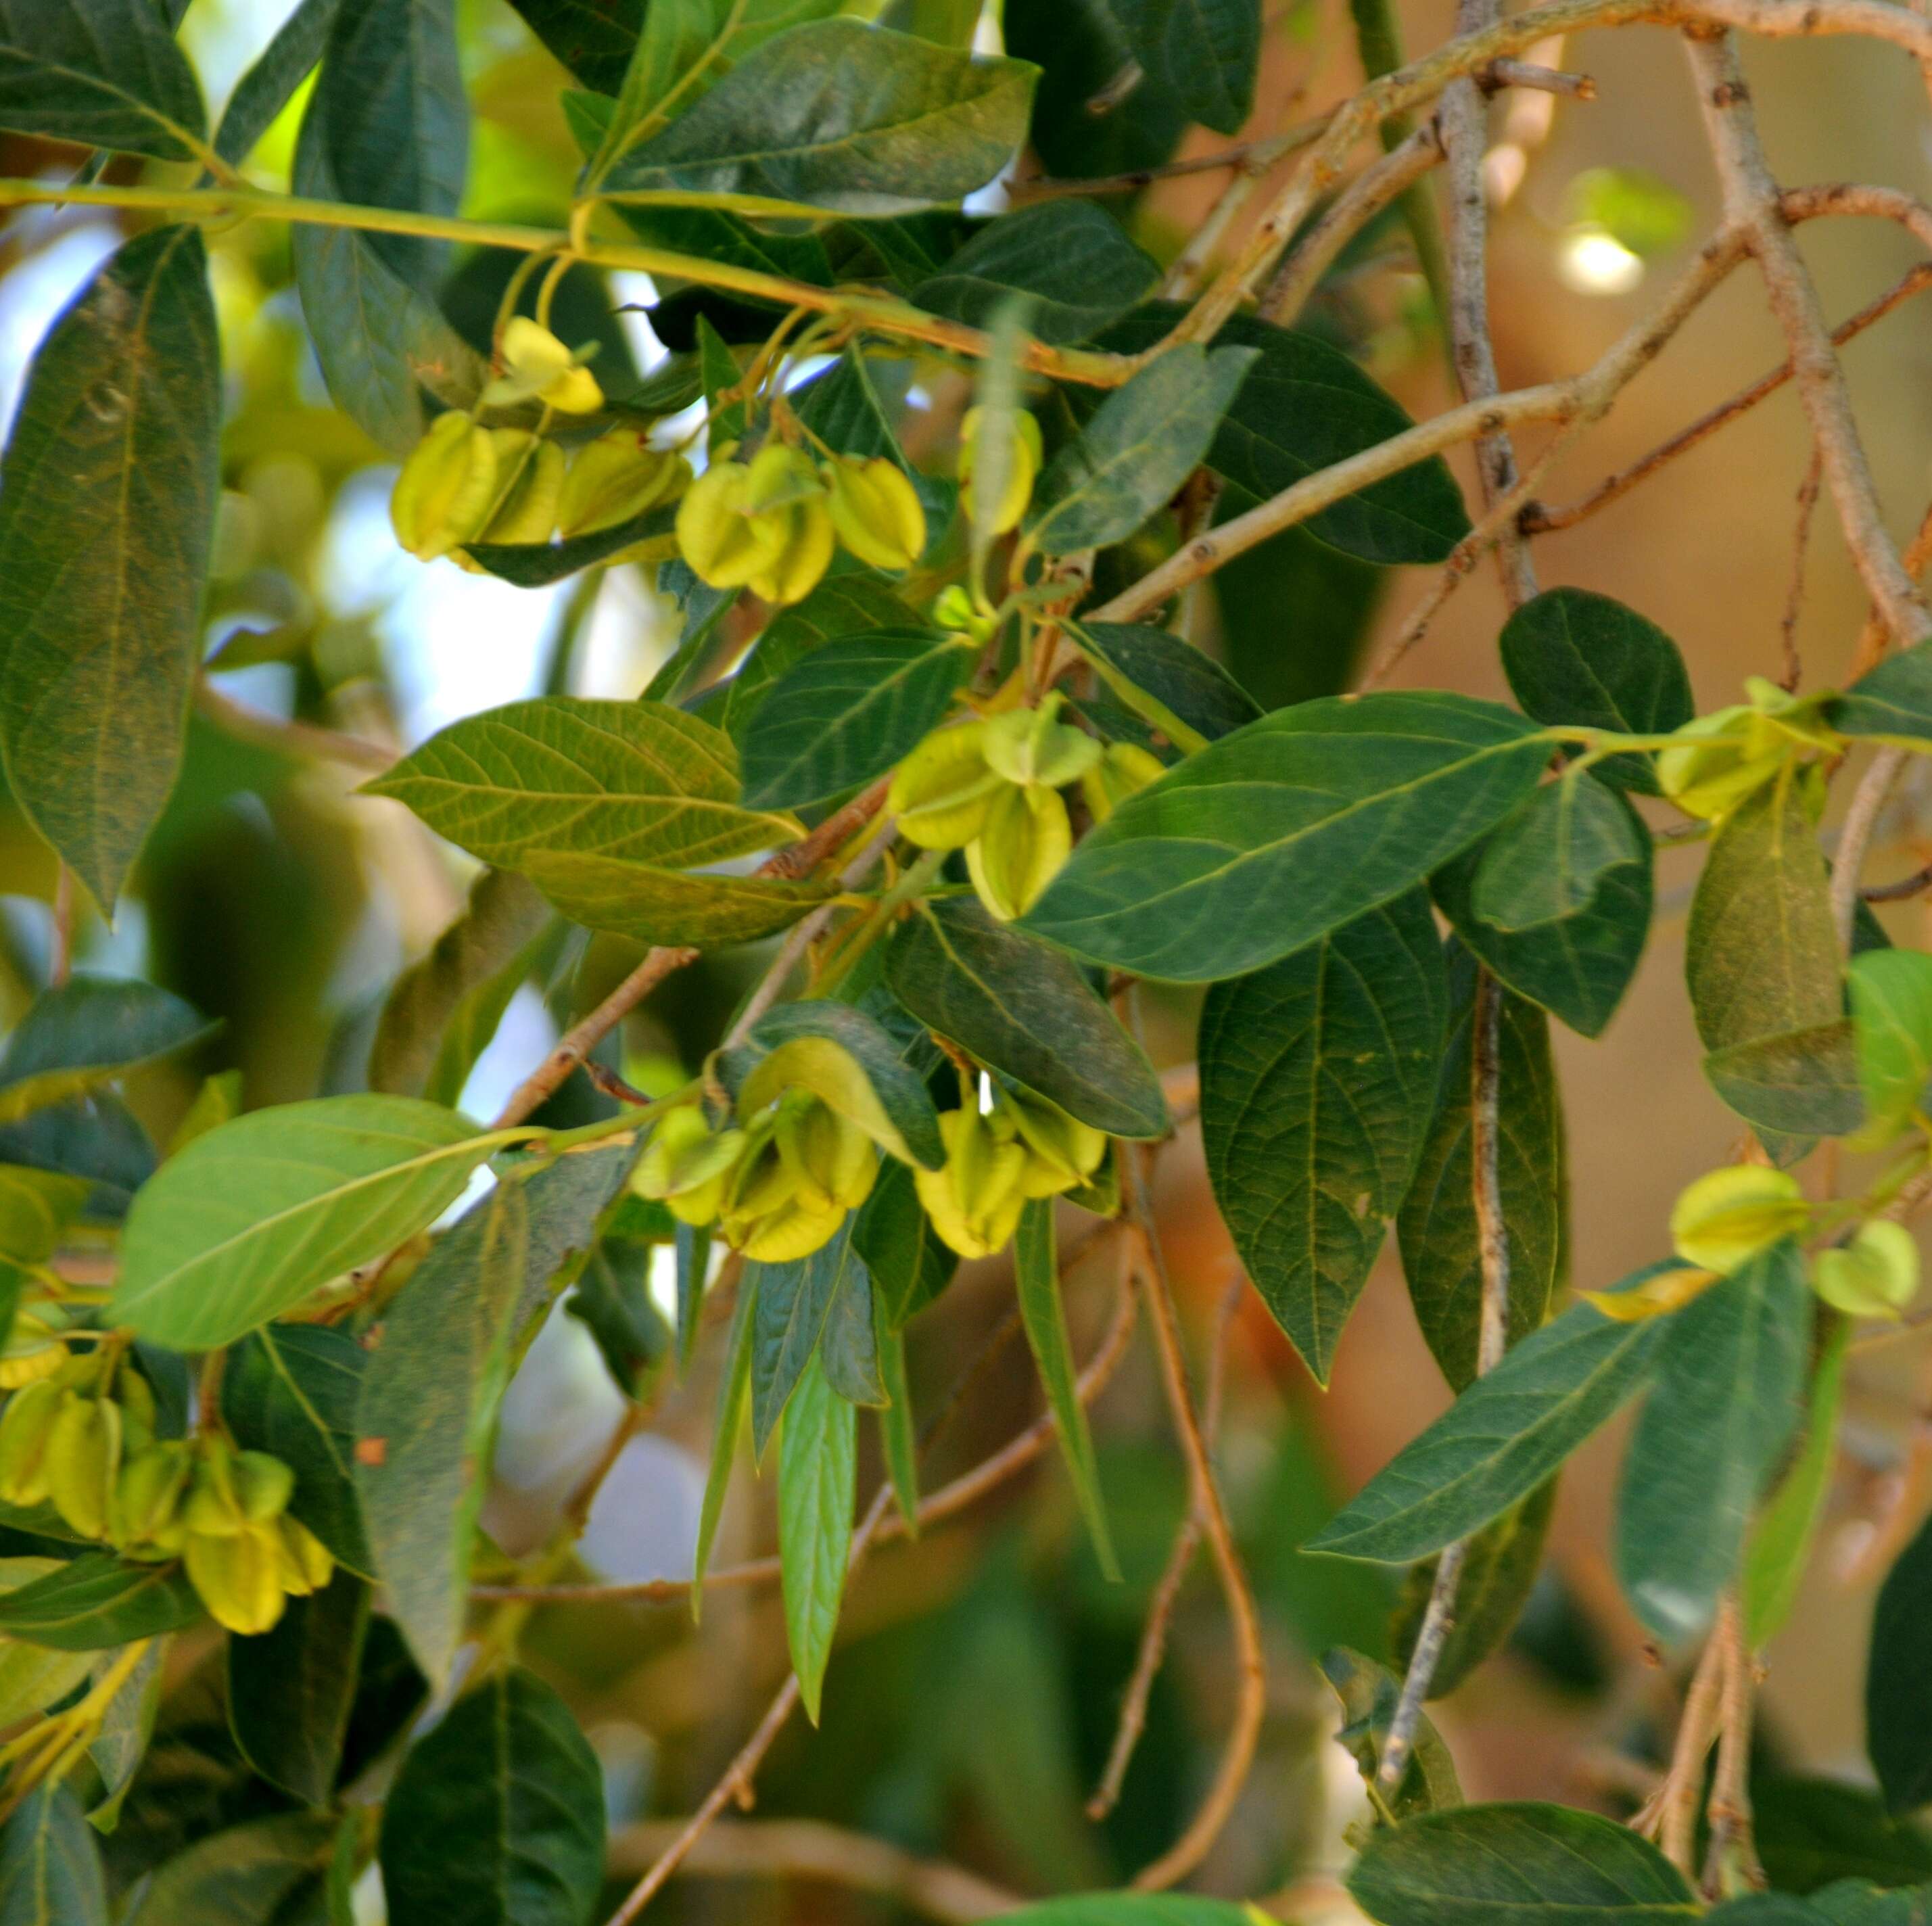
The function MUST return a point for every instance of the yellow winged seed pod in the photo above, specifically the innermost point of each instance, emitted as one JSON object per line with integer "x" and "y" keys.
{"x": 614, "y": 479}
{"x": 32, "y": 1350}
{"x": 974, "y": 1201}
{"x": 940, "y": 793}
{"x": 537, "y": 367}
{"x": 1026, "y": 838}
{"x": 1876, "y": 1275}
{"x": 446, "y": 488}
{"x": 723, "y": 546}
{"x": 876, "y": 510}
{"x": 687, "y": 1165}
{"x": 1024, "y": 452}
{"x": 1124, "y": 769}
{"x": 26, "y": 1427}
{"x": 1728, "y": 1217}
{"x": 148, "y": 1497}
{"x": 1032, "y": 746}
{"x": 237, "y": 1576}
{"x": 83, "y": 1461}
{"x": 529, "y": 475}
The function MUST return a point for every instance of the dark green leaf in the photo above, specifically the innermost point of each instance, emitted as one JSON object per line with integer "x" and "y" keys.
{"x": 1036, "y": 1280}
{"x": 1207, "y": 51}
{"x": 1166, "y": 680}
{"x": 1781, "y": 1541}
{"x": 848, "y": 1349}
{"x": 1766, "y": 1909}
{"x": 849, "y": 711}
{"x": 289, "y": 1691}
{"x": 910, "y": 1265}
{"x": 1074, "y": 260}
{"x": 1726, "y": 1379}
{"x": 1286, "y": 829}
{"x": 97, "y": 1601}
{"x": 734, "y": 1386}
{"x": 1317, "y": 1077}
{"x": 1898, "y": 1680}
{"x": 1859, "y": 1903}
{"x": 1082, "y": 51}
{"x": 269, "y": 86}
{"x": 1891, "y": 1009}
{"x": 496, "y": 1818}
{"x": 50, "y": 1865}
{"x": 1026, "y": 1012}
{"x": 1538, "y": 1865}
{"x": 1369, "y": 1693}
{"x": 1574, "y": 656}
{"x": 1804, "y": 1083}
{"x": 793, "y": 1301}
{"x": 898, "y": 1437}
{"x": 89, "y": 1031}
{"x": 1892, "y": 702}
{"x": 838, "y": 116}
{"x": 1144, "y": 441}
{"x": 818, "y": 1484}
{"x": 249, "y": 1219}
{"x": 427, "y": 1410}
{"x": 841, "y": 606}
{"x": 535, "y": 564}
{"x": 1437, "y": 1226}
{"x": 1547, "y": 863}
{"x": 1812, "y": 1831}
{"x": 104, "y": 73}
{"x": 1506, "y": 1434}
{"x": 107, "y": 495}
{"x": 292, "y": 1391}
{"x": 594, "y": 40}
{"x": 244, "y": 1874}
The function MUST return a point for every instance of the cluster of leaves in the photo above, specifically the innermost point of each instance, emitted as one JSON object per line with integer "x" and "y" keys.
{"x": 1301, "y": 857}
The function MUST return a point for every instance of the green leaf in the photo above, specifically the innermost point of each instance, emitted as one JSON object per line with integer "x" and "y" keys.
{"x": 244, "y": 1874}
{"x": 841, "y": 606}
{"x": 909, "y": 1264}
{"x": 1892, "y": 702}
{"x": 848, "y": 1348}
{"x": 427, "y": 1410}
{"x": 1026, "y": 1012}
{"x": 1074, "y": 260}
{"x": 1506, "y": 1433}
{"x": 1369, "y": 1693}
{"x": 1898, "y": 1680}
{"x": 1130, "y": 1908}
{"x": 33, "y": 1677}
{"x": 1817, "y": 1830}
{"x": 594, "y": 40}
{"x": 89, "y": 1031}
{"x": 837, "y": 116}
{"x": 1577, "y": 966}
{"x": 734, "y": 1386}
{"x": 1547, "y": 863}
{"x": 1723, "y": 1401}
{"x": 1207, "y": 51}
{"x": 651, "y": 905}
{"x": 292, "y": 1391}
{"x": 103, "y": 73}
{"x": 817, "y": 1486}
{"x": 1781, "y": 1543}
{"x": 1306, "y": 406}
{"x": 1168, "y": 681}
{"x": 1037, "y": 1282}
{"x": 1858, "y": 1903}
{"x": 1538, "y": 1865}
{"x": 1891, "y": 1017}
{"x": 904, "y": 1103}
{"x": 793, "y": 1301}
{"x": 1436, "y": 1228}
{"x": 50, "y": 1865}
{"x": 496, "y": 1818}
{"x": 632, "y": 782}
{"x": 35, "y": 1206}
{"x": 535, "y": 564}
{"x": 290, "y": 1690}
{"x": 898, "y": 1438}
{"x": 1802, "y": 1083}
{"x": 107, "y": 495}
{"x": 97, "y": 1601}
{"x": 1317, "y": 1075}
{"x": 118, "y": 1750}
{"x": 267, "y": 87}
{"x": 849, "y": 711}
{"x": 1574, "y": 656}
{"x": 1286, "y": 829}
{"x": 247, "y": 1220}
{"x": 443, "y": 1009}
{"x": 1143, "y": 442}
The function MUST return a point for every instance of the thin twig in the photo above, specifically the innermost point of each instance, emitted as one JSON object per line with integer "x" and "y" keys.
{"x": 1854, "y": 838}
{"x": 1897, "y": 893}
{"x": 293, "y": 738}
{"x": 1730, "y": 1807}
{"x": 1669, "y": 1815}
{"x": 60, "y": 950}
{"x": 1500, "y": 73}
{"x": 1794, "y": 602}
{"x": 1918, "y": 553}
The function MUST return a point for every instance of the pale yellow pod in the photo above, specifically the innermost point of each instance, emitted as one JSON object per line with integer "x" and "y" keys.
{"x": 446, "y": 487}
{"x": 877, "y": 512}
{"x": 941, "y": 792}
{"x": 1026, "y": 838}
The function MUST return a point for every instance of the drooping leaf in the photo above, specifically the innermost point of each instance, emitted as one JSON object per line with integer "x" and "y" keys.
{"x": 629, "y": 781}
{"x": 89, "y": 1031}
{"x": 496, "y": 1818}
{"x": 594, "y": 42}
{"x": 290, "y": 1690}
{"x": 1026, "y": 1012}
{"x": 1143, "y": 442}
{"x": 1573, "y": 655}
{"x": 818, "y": 1487}
{"x": 1892, "y": 703}
{"x": 103, "y": 73}
{"x": 1036, "y": 1281}
{"x": 1538, "y": 1865}
{"x": 734, "y": 1388}
{"x": 1891, "y": 1013}
{"x": 848, "y": 1348}
{"x": 270, "y": 84}
{"x": 839, "y": 117}
{"x": 50, "y": 1864}
{"x": 98, "y": 1601}
{"x": 1286, "y": 829}
{"x": 1166, "y": 680}
{"x": 1072, "y": 259}
{"x": 1506, "y": 1433}
{"x": 1207, "y": 51}
{"x": 848, "y": 713}
{"x": 650, "y": 904}
{"x": 1441, "y": 1254}
{"x": 1317, "y": 1076}
{"x": 292, "y": 1391}
{"x": 1898, "y": 1680}
{"x": 1368, "y": 1692}
{"x": 35, "y": 1677}
{"x": 427, "y": 1409}
{"x": 793, "y": 1301}
{"x": 1723, "y": 1401}
{"x": 249, "y": 1219}
{"x": 107, "y": 498}
{"x": 442, "y": 1011}
{"x": 243, "y": 1873}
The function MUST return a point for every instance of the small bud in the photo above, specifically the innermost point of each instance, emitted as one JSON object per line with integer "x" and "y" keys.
{"x": 877, "y": 512}
{"x": 445, "y": 489}
{"x": 237, "y": 1576}
{"x": 538, "y": 367}
{"x": 1728, "y": 1217}
{"x": 1025, "y": 840}
{"x": 26, "y": 1427}
{"x": 1874, "y": 1276}
{"x": 615, "y": 479}
{"x": 1124, "y": 769}
{"x": 1021, "y": 454}
{"x": 83, "y": 1461}
{"x": 953, "y": 608}
{"x": 975, "y": 1201}
{"x": 941, "y": 792}
{"x": 1032, "y": 746}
